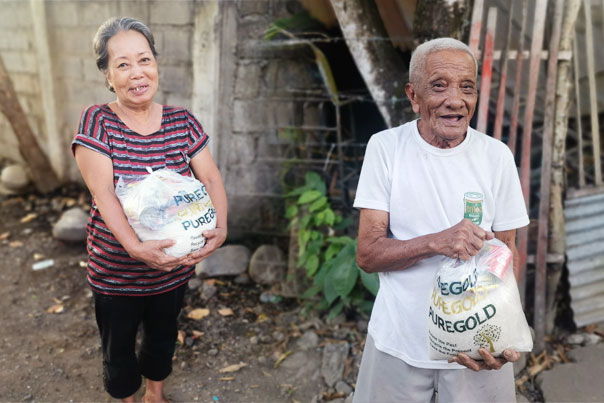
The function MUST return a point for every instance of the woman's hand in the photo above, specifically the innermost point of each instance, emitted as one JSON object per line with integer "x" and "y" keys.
{"x": 489, "y": 362}
{"x": 214, "y": 239}
{"x": 152, "y": 254}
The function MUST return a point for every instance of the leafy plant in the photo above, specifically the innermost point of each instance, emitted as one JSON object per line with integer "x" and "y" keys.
{"x": 329, "y": 259}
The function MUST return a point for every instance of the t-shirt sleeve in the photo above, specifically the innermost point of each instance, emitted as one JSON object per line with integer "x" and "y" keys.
{"x": 511, "y": 210}
{"x": 198, "y": 139}
{"x": 91, "y": 132}
{"x": 375, "y": 182}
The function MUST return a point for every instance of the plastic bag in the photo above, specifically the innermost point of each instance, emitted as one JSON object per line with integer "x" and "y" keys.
{"x": 476, "y": 304}
{"x": 167, "y": 205}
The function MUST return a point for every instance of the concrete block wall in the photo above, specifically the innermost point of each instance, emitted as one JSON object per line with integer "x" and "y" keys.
{"x": 264, "y": 101}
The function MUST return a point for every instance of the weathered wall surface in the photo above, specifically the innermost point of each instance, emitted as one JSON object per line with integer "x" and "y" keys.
{"x": 267, "y": 96}
{"x": 212, "y": 60}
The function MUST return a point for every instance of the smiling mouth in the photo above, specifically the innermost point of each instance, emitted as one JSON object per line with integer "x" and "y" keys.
{"x": 139, "y": 89}
{"x": 452, "y": 118}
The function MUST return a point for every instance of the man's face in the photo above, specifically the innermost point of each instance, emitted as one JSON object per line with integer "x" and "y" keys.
{"x": 445, "y": 98}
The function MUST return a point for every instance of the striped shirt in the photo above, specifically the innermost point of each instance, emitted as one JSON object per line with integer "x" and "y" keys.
{"x": 110, "y": 269}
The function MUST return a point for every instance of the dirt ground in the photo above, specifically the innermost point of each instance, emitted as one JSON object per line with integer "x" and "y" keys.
{"x": 50, "y": 348}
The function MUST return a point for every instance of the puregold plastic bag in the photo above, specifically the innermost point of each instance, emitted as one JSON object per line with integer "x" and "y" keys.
{"x": 476, "y": 304}
{"x": 167, "y": 205}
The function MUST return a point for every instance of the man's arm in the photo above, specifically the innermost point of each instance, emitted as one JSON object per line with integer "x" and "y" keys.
{"x": 376, "y": 252}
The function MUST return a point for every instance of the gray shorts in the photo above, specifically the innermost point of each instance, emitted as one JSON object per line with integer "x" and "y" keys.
{"x": 385, "y": 378}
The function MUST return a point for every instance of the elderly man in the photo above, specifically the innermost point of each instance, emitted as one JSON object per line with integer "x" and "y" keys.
{"x": 415, "y": 181}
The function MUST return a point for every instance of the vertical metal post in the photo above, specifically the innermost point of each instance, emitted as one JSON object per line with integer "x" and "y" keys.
{"x": 487, "y": 71}
{"x": 503, "y": 76}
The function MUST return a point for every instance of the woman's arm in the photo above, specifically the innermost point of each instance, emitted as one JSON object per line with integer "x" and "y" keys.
{"x": 207, "y": 172}
{"x": 97, "y": 172}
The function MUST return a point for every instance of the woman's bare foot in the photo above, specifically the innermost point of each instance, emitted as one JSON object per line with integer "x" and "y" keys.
{"x": 154, "y": 392}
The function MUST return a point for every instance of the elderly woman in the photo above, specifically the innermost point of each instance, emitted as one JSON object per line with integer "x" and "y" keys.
{"x": 135, "y": 282}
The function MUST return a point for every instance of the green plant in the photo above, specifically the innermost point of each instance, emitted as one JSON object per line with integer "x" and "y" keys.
{"x": 328, "y": 258}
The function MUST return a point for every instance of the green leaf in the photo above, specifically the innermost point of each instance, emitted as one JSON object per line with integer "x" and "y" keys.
{"x": 344, "y": 273}
{"x": 332, "y": 250}
{"x": 291, "y": 211}
{"x": 314, "y": 181}
{"x": 318, "y": 204}
{"x": 330, "y": 216}
{"x": 311, "y": 292}
{"x": 326, "y": 74}
{"x": 336, "y": 309}
{"x": 341, "y": 240}
{"x": 319, "y": 218}
{"x": 329, "y": 290}
{"x": 305, "y": 221}
{"x": 303, "y": 238}
{"x": 366, "y": 307}
{"x": 312, "y": 264}
{"x": 342, "y": 224}
{"x": 370, "y": 281}
{"x": 297, "y": 191}
{"x": 309, "y": 196}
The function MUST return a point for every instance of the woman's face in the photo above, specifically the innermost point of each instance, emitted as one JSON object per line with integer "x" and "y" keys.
{"x": 132, "y": 69}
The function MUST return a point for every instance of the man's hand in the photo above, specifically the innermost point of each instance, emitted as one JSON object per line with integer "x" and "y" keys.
{"x": 461, "y": 241}
{"x": 489, "y": 362}
{"x": 214, "y": 239}
{"x": 152, "y": 254}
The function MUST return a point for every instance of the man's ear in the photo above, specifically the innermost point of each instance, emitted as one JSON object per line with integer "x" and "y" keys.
{"x": 412, "y": 95}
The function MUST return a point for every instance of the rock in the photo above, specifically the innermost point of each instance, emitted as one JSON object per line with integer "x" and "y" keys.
{"x": 332, "y": 366}
{"x": 578, "y": 381}
{"x": 520, "y": 398}
{"x": 71, "y": 226}
{"x": 349, "y": 398}
{"x": 575, "y": 339}
{"x": 343, "y": 387}
{"x": 195, "y": 283}
{"x": 268, "y": 297}
{"x": 254, "y": 340}
{"x": 303, "y": 364}
{"x": 15, "y": 178}
{"x": 308, "y": 340}
{"x": 278, "y": 336}
{"x": 213, "y": 351}
{"x": 242, "y": 279}
{"x": 267, "y": 265}
{"x": 207, "y": 291}
{"x": 589, "y": 339}
{"x": 362, "y": 325}
{"x": 230, "y": 260}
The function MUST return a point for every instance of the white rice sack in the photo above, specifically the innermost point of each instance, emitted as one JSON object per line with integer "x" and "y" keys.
{"x": 167, "y": 205}
{"x": 476, "y": 304}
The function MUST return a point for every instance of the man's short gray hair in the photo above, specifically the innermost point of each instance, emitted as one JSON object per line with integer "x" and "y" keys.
{"x": 112, "y": 27}
{"x": 417, "y": 65}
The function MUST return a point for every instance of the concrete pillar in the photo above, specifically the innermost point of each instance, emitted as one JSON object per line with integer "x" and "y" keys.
{"x": 56, "y": 149}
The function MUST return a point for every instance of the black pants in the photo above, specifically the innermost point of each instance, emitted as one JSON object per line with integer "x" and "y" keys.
{"x": 118, "y": 319}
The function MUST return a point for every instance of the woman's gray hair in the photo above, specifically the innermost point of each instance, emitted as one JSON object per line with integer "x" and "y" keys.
{"x": 112, "y": 27}
{"x": 417, "y": 65}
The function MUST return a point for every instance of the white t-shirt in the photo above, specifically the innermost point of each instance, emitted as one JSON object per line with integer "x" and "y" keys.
{"x": 426, "y": 190}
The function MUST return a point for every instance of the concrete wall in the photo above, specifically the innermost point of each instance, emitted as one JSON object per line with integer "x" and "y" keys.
{"x": 212, "y": 60}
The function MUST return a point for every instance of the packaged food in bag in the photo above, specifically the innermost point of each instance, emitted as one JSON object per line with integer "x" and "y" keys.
{"x": 476, "y": 304}
{"x": 167, "y": 205}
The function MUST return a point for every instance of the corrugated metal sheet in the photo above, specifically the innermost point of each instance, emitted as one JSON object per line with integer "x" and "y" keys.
{"x": 585, "y": 252}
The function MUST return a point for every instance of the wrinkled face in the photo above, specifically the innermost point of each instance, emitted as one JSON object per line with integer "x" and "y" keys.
{"x": 445, "y": 98}
{"x": 132, "y": 68}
